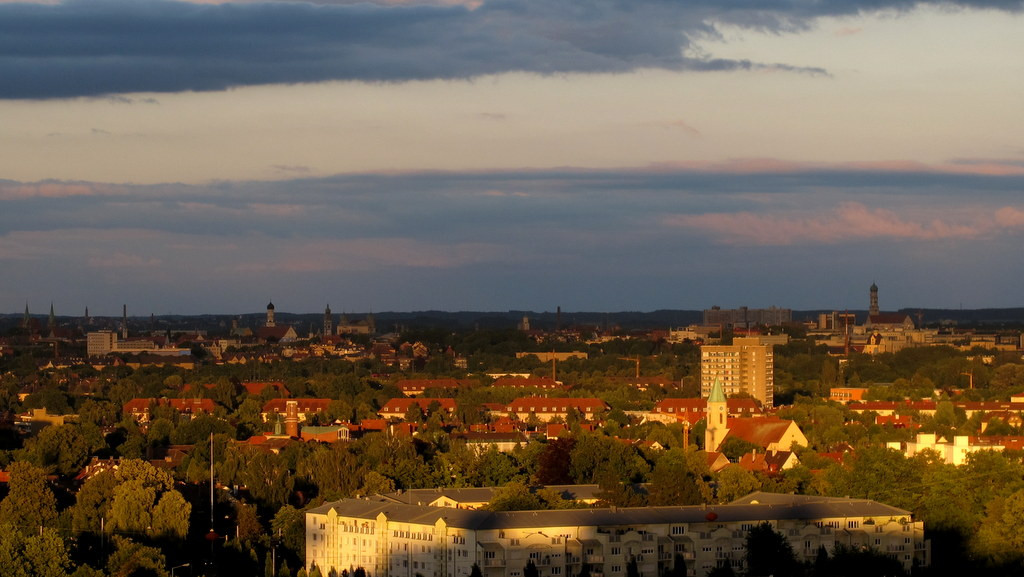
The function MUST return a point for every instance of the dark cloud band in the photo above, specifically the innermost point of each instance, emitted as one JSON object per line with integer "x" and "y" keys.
{"x": 99, "y": 47}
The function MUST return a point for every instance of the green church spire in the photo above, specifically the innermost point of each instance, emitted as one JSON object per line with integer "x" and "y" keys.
{"x": 717, "y": 393}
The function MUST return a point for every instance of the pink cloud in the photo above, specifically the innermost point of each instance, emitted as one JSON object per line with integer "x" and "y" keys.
{"x": 849, "y": 221}
{"x": 1009, "y": 217}
{"x": 987, "y": 167}
{"x": 51, "y": 190}
{"x": 278, "y": 209}
{"x": 123, "y": 260}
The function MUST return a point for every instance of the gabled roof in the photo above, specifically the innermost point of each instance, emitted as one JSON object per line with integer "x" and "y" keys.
{"x": 527, "y": 382}
{"x": 424, "y": 384}
{"x": 556, "y": 404}
{"x": 761, "y": 431}
{"x": 308, "y": 405}
{"x": 400, "y": 406}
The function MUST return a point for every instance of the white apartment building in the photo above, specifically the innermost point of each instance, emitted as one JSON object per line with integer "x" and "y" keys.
{"x": 746, "y": 366}
{"x": 389, "y": 539}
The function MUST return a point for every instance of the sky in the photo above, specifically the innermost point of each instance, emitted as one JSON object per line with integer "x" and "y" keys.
{"x": 187, "y": 157}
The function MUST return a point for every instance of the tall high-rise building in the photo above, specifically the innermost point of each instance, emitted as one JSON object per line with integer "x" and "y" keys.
{"x": 746, "y": 366}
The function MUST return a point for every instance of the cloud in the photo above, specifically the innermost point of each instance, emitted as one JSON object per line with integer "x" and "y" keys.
{"x": 104, "y": 47}
{"x": 849, "y": 222}
{"x": 52, "y": 189}
{"x": 292, "y": 168}
{"x": 124, "y": 260}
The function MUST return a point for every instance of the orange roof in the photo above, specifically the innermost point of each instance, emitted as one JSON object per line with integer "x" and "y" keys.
{"x": 140, "y": 405}
{"x": 556, "y": 404}
{"x": 401, "y": 406}
{"x": 527, "y": 382}
{"x": 256, "y": 388}
{"x": 424, "y": 384}
{"x": 761, "y": 431}
{"x": 308, "y": 405}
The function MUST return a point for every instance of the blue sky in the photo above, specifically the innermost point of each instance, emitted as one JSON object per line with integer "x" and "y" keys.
{"x": 191, "y": 157}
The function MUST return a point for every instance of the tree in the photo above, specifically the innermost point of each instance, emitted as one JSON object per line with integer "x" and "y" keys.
{"x": 30, "y": 503}
{"x": 92, "y": 502}
{"x": 289, "y": 524}
{"x": 475, "y": 571}
{"x": 863, "y": 562}
{"x": 144, "y": 500}
{"x": 734, "y": 482}
{"x": 249, "y": 525}
{"x": 60, "y": 450}
{"x": 514, "y": 496}
{"x": 171, "y": 516}
{"x": 678, "y": 567}
{"x": 131, "y": 559}
{"x": 769, "y": 553}
{"x": 531, "y": 569}
{"x": 672, "y": 482}
{"x": 722, "y": 570}
{"x": 38, "y": 554}
{"x": 734, "y": 448}
{"x": 553, "y": 462}
{"x": 268, "y": 478}
{"x": 376, "y": 484}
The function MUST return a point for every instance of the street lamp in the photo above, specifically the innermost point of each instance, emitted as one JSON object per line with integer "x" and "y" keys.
{"x": 178, "y": 567}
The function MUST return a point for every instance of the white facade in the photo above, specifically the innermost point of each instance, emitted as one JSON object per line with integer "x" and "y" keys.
{"x": 388, "y": 539}
{"x": 954, "y": 453}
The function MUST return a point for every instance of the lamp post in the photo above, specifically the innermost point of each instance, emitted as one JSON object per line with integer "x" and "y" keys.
{"x": 179, "y": 567}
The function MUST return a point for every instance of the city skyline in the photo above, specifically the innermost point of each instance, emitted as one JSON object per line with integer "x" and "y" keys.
{"x": 205, "y": 157}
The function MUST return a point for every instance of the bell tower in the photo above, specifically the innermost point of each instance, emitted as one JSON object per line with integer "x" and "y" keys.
{"x": 717, "y": 418}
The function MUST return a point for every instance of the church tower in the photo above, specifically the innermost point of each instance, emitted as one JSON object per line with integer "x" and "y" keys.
{"x": 873, "y": 311}
{"x": 270, "y": 314}
{"x": 328, "y": 322}
{"x": 717, "y": 418}
{"x": 52, "y": 322}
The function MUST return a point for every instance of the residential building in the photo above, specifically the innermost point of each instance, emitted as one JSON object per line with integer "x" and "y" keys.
{"x": 746, "y": 317}
{"x": 746, "y": 366}
{"x": 551, "y": 408}
{"x": 390, "y": 539}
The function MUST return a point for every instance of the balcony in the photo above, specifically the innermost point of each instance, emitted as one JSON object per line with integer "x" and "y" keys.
{"x": 494, "y": 562}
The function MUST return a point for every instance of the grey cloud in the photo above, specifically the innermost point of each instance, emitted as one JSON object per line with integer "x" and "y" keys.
{"x": 100, "y": 47}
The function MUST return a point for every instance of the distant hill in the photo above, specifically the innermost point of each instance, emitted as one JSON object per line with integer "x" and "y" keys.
{"x": 1009, "y": 318}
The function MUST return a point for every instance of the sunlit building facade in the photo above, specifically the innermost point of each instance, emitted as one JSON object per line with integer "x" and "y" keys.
{"x": 389, "y": 539}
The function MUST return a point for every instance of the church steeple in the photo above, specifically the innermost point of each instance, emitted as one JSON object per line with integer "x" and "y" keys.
{"x": 53, "y": 318}
{"x": 270, "y": 314}
{"x": 717, "y": 418}
{"x": 873, "y": 311}
{"x": 328, "y": 322}
{"x": 27, "y": 319}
